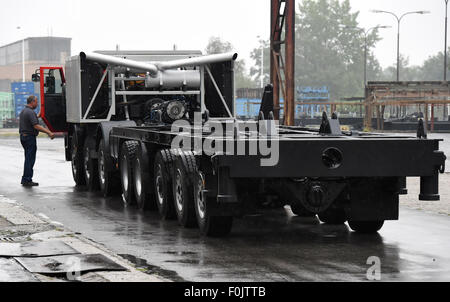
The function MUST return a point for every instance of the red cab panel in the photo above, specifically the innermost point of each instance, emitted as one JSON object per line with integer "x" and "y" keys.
{"x": 53, "y": 100}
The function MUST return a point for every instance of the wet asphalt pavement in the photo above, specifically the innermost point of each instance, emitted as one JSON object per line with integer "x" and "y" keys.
{"x": 273, "y": 245}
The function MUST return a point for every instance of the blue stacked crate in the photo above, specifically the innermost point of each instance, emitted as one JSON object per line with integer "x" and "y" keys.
{"x": 249, "y": 108}
{"x": 22, "y": 90}
{"x": 312, "y": 95}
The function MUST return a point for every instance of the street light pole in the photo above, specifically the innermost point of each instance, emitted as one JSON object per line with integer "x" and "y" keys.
{"x": 398, "y": 51}
{"x": 23, "y": 60}
{"x": 23, "y": 56}
{"x": 399, "y": 19}
{"x": 262, "y": 66}
{"x": 365, "y": 60}
{"x": 366, "y": 34}
{"x": 262, "y": 62}
{"x": 445, "y": 49}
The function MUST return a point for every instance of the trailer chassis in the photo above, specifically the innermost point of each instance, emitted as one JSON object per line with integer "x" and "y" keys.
{"x": 356, "y": 177}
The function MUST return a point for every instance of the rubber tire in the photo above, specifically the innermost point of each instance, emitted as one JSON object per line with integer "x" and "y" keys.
{"x": 164, "y": 190}
{"x": 301, "y": 211}
{"x": 211, "y": 226}
{"x": 335, "y": 216}
{"x": 143, "y": 180}
{"x": 77, "y": 162}
{"x": 90, "y": 169}
{"x": 185, "y": 168}
{"x": 111, "y": 184}
{"x": 67, "y": 145}
{"x": 366, "y": 227}
{"x": 126, "y": 159}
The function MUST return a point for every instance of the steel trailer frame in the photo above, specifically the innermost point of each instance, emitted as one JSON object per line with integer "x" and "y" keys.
{"x": 323, "y": 172}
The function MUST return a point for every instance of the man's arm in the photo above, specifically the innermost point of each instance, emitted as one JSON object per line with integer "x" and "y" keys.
{"x": 35, "y": 122}
{"x": 44, "y": 130}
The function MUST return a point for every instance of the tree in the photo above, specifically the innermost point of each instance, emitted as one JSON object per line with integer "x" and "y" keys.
{"x": 216, "y": 45}
{"x": 330, "y": 48}
{"x": 255, "y": 71}
{"x": 242, "y": 80}
{"x": 433, "y": 68}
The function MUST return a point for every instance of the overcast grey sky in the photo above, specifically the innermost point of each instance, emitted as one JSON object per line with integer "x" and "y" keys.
{"x": 156, "y": 24}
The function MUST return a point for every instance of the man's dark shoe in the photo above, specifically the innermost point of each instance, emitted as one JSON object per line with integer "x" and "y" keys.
{"x": 30, "y": 184}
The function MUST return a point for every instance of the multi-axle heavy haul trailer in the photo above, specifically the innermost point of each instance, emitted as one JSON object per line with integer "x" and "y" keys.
{"x": 147, "y": 125}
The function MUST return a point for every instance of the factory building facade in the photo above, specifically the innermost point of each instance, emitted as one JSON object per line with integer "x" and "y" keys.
{"x": 39, "y": 51}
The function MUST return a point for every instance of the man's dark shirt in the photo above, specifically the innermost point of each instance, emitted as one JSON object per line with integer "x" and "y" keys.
{"x": 28, "y": 119}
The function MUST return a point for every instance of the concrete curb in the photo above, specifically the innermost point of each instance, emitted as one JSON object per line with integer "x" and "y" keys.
{"x": 19, "y": 220}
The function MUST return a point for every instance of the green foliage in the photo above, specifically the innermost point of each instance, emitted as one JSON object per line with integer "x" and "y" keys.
{"x": 216, "y": 45}
{"x": 407, "y": 73}
{"x": 330, "y": 48}
{"x": 242, "y": 80}
{"x": 255, "y": 71}
{"x": 431, "y": 70}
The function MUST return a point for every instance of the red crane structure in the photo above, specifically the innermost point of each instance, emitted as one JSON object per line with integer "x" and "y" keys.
{"x": 282, "y": 69}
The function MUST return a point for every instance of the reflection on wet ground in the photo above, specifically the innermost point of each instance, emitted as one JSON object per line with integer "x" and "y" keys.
{"x": 273, "y": 245}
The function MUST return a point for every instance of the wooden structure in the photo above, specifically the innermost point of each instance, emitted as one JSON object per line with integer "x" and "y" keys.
{"x": 430, "y": 94}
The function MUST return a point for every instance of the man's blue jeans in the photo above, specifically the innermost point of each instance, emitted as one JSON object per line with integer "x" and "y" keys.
{"x": 29, "y": 145}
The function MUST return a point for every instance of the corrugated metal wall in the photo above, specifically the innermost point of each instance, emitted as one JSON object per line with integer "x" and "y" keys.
{"x": 43, "y": 49}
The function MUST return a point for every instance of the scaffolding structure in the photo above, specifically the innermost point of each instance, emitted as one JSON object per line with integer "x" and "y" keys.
{"x": 398, "y": 100}
{"x": 282, "y": 67}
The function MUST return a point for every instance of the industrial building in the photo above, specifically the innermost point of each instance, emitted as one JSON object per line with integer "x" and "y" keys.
{"x": 39, "y": 51}
{"x": 20, "y": 60}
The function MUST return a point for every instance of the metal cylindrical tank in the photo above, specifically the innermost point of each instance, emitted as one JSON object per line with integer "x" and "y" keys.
{"x": 133, "y": 65}
{"x": 197, "y": 61}
{"x": 170, "y": 79}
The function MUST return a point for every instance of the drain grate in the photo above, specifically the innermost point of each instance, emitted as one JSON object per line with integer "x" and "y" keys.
{"x": 15, "y": 239}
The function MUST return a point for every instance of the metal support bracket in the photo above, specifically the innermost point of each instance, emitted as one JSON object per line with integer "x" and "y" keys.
{"x": 105, "y": 73}
{"x": 219, "y": 92}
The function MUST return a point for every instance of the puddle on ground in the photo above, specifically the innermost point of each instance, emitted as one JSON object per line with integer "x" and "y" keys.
{"x": 142, "y": 265}
{"x": 186, "y": 261}
{"x": 180, "y": 253}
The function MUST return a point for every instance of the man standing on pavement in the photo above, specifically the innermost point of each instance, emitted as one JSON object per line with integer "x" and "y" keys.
{"x": 29, "y": 129}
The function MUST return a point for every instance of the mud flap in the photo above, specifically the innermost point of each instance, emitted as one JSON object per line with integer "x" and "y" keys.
{"x": 373, "y": 200}
{"x": 221, "y": 194}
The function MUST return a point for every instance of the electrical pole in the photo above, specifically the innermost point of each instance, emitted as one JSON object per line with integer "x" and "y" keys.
{"x": 399, "y": 19}
{"x": 445, "y": 49}
{"x": 23, "y": 55}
